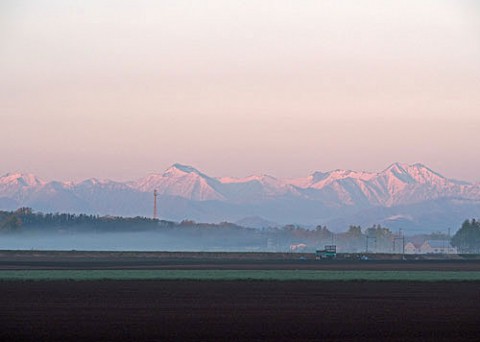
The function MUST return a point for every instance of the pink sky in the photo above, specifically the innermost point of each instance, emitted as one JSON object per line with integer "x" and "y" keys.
{"x": 117, "y": 89}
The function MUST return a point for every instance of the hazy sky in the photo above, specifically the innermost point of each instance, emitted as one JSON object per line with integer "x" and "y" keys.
{"x": 116, "y": 89}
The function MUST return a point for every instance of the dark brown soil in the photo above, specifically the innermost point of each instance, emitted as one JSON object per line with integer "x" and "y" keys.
{"x": 196, "y": 260}
{"x": 242, "y": 310}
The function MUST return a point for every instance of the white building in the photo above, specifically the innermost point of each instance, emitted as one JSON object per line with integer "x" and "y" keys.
{"x": 411, "y": 248}
{"x": 437, "y": 247}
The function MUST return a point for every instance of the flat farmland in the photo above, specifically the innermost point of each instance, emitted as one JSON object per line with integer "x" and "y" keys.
{"x": 80, "y": 260}
{"x": 132, "y": 308}
{"x": 239, "y": 310}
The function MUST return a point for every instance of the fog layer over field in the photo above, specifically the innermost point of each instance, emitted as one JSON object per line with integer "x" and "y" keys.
{"x": 88, "y": 242}
{"x": 25, "y": 230}
{"x": 127, "y": 241}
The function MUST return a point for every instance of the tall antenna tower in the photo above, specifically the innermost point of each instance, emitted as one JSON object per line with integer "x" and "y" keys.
{"x": 155, "y": 214}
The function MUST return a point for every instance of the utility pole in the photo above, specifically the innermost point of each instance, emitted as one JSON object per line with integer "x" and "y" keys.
{"x": 403, "y": 243}
{"x": 155, "y": 194}
{"x": 401, "y": 237}
{"x": 448, "y": 242}
{"x": 403, "y": 247}
{"x": 368, "y": 238}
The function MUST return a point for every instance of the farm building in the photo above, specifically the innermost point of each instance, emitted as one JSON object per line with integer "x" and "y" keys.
{"x": 437, "y": 247}
{"x": 411, "y": 248}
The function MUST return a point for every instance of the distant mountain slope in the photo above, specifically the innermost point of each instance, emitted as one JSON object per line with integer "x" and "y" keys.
{"x": 182, "y": 181}
{"x": 400, "y": 193}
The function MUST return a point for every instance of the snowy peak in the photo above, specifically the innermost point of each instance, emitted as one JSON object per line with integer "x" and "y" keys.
{"x": 398, "y": 167}
{"x": 415, "y": 174}
{"x": 402, "y": 172}
{"x": 255, "y": 188}
{"x": 21, "y": 179}
{"x": 405, "y": 184}
{"x": 400, "y": 192}
{"x": 318, "y": 180}
{"x": 94, "y": 183}
{"x": 148, "y": 183}
{"x": 397, "y": 184}
{"x": 19, "y": 185}
{"x": 337, "y": 175}
{"x": 253, "y": 178}
{"x": 179, "y": 170}
{"x": 425, "y": 175}
{"x": 182, "y": 181}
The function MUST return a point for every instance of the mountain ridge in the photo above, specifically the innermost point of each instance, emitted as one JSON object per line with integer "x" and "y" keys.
{"x": 186, "y": 192}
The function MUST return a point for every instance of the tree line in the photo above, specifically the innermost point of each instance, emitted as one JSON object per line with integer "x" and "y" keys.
{"x": 467, "y": 238}
{"x": 355, "y": 239}
{"x": 26, "y": 219}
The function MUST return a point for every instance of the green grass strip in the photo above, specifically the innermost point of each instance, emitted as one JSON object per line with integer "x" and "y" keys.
{"x": 276, "y": 275}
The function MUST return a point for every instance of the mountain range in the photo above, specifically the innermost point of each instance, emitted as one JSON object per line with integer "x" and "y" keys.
{"x": 412, "y": 197}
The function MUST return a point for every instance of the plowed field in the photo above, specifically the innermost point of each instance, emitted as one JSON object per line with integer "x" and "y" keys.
{"x": 240, "y": 310}
{"x": 227, "y": 310}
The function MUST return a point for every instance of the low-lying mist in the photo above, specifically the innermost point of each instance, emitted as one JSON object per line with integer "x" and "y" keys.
{"x": 25, "y": 230}
{"x": 125, "y": 241}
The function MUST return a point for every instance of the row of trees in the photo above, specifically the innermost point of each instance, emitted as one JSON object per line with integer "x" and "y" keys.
{"x": 26, "y": 219}
{"x": 355, "y": 239}
{"x": 226, "y": 234}
{"x": 467, "y": 238}
{"x": 9, "y": 221}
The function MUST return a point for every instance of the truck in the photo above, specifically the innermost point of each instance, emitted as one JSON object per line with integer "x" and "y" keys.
{"x": 329, "y": 252}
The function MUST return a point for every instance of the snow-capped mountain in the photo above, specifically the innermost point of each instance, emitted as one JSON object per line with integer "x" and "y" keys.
{"x": 397, "y": 184}
{"x": 185, "y": 192}
{"x": 17, "y": 185}
{"x": 256, "y": 188}
{"x": 182, "y": 181}
{"x": 187, "y": 182}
